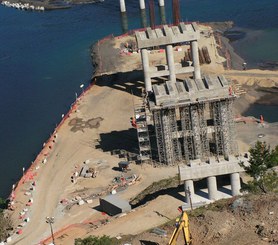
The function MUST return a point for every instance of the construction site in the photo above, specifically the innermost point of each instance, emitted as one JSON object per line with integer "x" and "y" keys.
{"x": 163, "y": 107}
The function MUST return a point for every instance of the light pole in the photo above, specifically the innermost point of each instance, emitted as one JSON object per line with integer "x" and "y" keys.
{"x": 50, "y": 221}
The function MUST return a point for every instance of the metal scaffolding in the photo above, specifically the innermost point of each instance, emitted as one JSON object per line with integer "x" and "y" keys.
{"x": 159, "y": 135}
{"x": 177, "y": 155}
{"x": 203, "y": 131}
{"x": 224, "y": 132}
{"x": 218, "y": 137}
{"x": 183, "y": 132}
{"x": 142, "y": 133}
{"x": 186, "y": 133}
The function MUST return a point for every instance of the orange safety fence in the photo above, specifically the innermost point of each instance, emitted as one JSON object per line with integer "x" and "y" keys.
{"x": 48, "y": 145}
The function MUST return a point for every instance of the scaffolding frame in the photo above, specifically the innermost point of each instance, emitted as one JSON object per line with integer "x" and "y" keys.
{"x": 186, "y": 133}
{"x": 140, "y": 114}
{"x": 190, "y": 140}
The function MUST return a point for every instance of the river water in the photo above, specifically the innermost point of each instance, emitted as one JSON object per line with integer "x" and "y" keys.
{"x": 45, "y": 57}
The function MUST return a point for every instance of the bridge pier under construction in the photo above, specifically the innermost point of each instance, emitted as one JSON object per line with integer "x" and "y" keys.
{"x": 186, "y": 122}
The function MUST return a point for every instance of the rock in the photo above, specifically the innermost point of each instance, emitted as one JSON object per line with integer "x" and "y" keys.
{"x": 81, "y": 202}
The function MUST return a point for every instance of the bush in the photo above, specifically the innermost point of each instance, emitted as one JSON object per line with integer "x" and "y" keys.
{"x": 5, "y": 226}
{"x": 261, "y": 163}
{"x": 95, "y": 240}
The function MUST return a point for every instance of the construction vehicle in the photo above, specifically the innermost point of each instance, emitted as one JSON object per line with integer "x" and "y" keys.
{"x": 182, "y": 224}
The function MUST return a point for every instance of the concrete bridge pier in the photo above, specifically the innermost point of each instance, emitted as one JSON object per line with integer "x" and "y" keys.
{"x": 144, "y": 18}
{"x": 171, "y": 63}
{"x": 235, "y": 184}
{"x": 212, "y": 188}
{"x": 124, "y": 22}
{"x": 189, "y": 191}
{"x": 146, "y": 69}
{"x": 142, "y": 4}
{"x": 195, "y": 57}
{"x": 162, "y": 15}
{"x": 161, "y": 3}
{"x": 122, "y": 6}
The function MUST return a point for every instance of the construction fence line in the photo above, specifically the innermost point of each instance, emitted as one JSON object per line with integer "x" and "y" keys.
{"x": 29, "y": 174}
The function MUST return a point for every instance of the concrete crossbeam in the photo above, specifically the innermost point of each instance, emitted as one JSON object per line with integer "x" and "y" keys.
{"x": 145, "y": 40}
{"x": 179, "y": 70}
{"x": 206, "y": 170}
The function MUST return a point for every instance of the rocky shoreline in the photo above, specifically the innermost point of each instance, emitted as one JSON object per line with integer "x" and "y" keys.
{"x": 43, "y": 5}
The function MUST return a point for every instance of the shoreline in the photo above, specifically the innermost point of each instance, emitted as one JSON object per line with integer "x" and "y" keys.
{"x": 45, "y": 5}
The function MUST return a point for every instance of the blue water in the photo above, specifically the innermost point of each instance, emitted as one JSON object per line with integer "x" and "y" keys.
{"x": 44, "y": 57}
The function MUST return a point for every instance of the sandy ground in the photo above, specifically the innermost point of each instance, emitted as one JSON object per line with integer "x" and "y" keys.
{"x": 101, "y": 125}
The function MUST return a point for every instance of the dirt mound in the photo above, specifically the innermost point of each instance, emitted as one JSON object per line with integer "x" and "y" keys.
{"x": 243, "y": 220}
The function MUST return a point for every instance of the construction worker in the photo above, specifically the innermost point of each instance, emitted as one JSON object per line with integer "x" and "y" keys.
{"x": 133, "y": 122}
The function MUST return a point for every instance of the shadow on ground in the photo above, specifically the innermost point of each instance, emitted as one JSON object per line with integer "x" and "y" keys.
{"x": 123, "y": 143}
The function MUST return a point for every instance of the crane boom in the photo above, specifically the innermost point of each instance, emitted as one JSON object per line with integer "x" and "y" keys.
{"x": 182, "y": 224}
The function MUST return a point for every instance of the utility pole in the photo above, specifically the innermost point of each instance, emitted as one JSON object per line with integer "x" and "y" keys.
{"x": 50, "y": 221}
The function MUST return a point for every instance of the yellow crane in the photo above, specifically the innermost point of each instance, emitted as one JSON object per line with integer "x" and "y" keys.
{"x": 182, "y": 224}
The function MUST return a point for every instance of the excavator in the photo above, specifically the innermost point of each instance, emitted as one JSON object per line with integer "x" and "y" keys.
{"x": 182, "y": 224}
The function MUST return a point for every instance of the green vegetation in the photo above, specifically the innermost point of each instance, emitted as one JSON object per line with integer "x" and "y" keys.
{"x": 155, "y": 187}
{"x": 95, "y": 240}
{"x": 3, "y": 204}
{"x": 262, "y": 160}
{"x": 5, "y": 221}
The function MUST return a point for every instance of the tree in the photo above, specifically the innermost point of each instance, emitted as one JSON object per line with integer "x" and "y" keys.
{"x": 95, "y": 240}
{"x": 260, "y": 168}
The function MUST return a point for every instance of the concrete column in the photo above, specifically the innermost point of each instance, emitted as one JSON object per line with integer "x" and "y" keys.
{"x": 212, "y": 188}
{"x": 122, "y": 6}
{"x": 189, "y": 185}
{"x": 195, "y": 57}
{"x": 144, "y": 18}
{"x": 146, "y": 69}
{"x": 162, "y": 15}
{"x": 124, "y": 22}
{"x": 142, "y": 4}
{"x": 171, "y": 63}
{"x": 161, "y": 3}
{"x": 235, "y": 184}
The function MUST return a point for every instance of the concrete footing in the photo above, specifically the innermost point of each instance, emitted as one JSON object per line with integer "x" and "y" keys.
{"x": 212, "y": 187}
{"x": 235, "y": 184}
